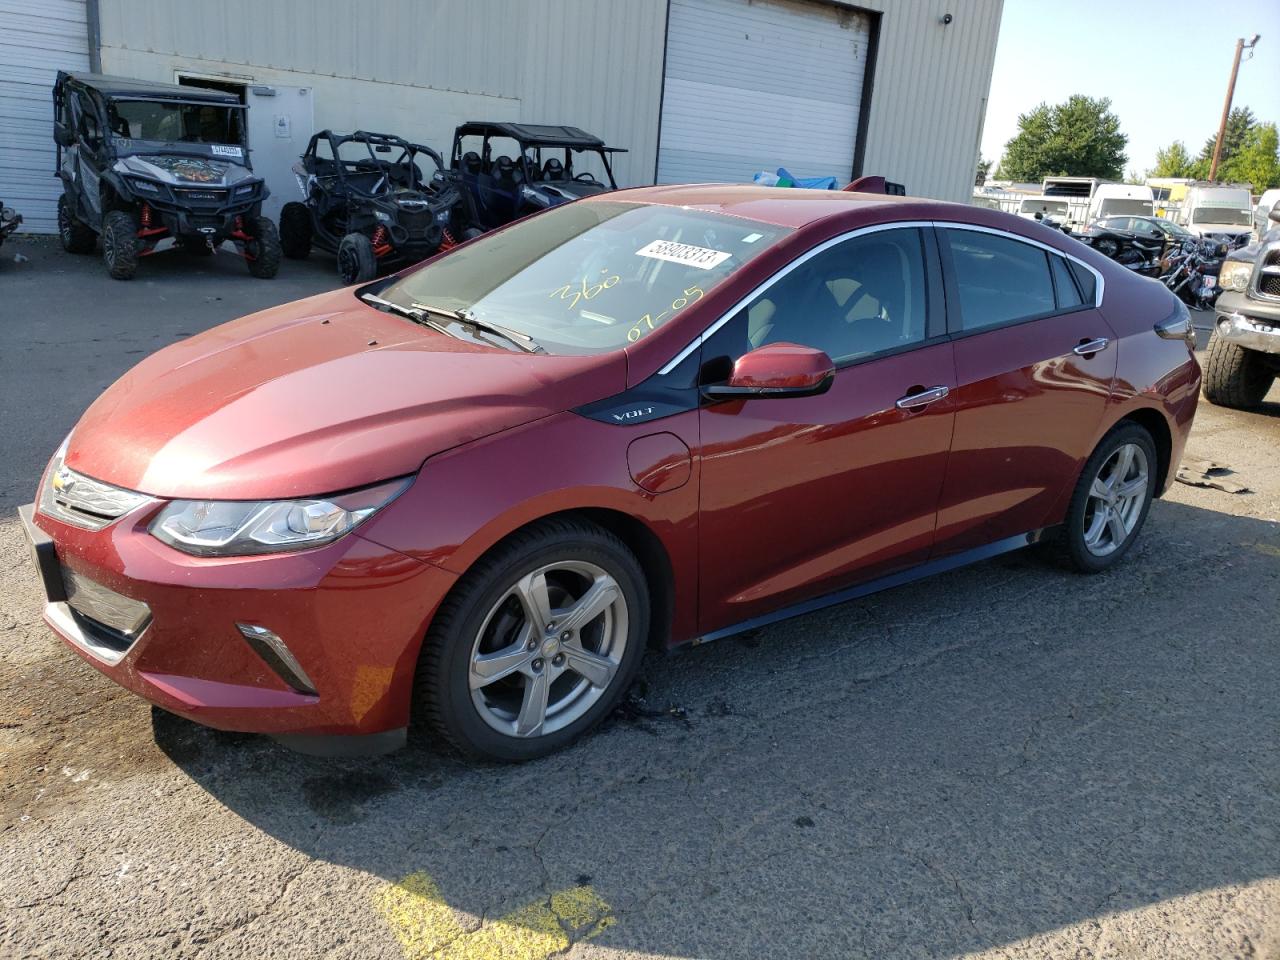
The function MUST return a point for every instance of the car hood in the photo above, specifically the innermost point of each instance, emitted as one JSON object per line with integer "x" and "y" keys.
{"x": 315, "y": 397}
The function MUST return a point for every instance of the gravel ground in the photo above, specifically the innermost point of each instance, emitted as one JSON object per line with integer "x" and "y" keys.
{"x": 1007, "y": 761}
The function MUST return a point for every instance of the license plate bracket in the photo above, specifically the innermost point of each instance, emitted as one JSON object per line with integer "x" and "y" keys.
{"x": 44, "y": 555}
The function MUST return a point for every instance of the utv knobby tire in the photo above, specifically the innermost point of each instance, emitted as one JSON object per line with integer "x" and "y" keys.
{"x": 263, "y": 251}
{"x": 442, "y": 705}
{"x": 356, "y": 260}
{"x": 120, "y": 244}
{"x": 1233, "y": 376}
{"x": 295, "y": 230}
{"x": 76, "y": 237}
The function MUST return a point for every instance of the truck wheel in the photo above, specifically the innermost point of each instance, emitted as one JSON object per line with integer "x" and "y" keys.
{"x": 356, "y": 262}
{"x": 76, "y": 237}
{"x": 262, "y": 252}
{"x": 1233, "y": 376}
{"x": 295, "y": 230}
{"x": 120, "y": 244}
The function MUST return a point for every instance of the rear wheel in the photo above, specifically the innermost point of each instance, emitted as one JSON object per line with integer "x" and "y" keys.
{"x": 295, "y": 230}
{"x": 1111, "y": 499}
{"x": 536, "y": 644}
{"x": 120, "y": 244}
{"x": 1234, "y": 376}
{"x": 356, "y": 261}
{"x": 262, "y": 251}
{"x": 76, "y": 237}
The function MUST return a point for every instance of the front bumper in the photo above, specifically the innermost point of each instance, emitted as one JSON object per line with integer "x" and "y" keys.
{"x": 1249, "y": 323}
{"x": 167, "y": 627}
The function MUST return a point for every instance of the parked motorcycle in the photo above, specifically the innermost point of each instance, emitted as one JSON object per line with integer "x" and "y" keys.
{"x": 1191, "y": 272}
{"x": 1131, "y": 250}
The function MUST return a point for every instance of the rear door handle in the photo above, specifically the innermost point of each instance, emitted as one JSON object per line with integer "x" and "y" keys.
{"x": 1091, "y": 346}
{"x": 914, "y": 401}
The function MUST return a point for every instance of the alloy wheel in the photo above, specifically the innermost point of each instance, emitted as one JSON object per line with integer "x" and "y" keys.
{"x": 1116, "y": 499}
{"x": 548, "y": 649}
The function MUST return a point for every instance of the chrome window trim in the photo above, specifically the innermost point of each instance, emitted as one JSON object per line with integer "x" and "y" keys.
{"x": 764, "y": 285}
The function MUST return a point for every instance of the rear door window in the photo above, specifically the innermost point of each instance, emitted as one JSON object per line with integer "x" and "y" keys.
{"x": 998, "y": 280}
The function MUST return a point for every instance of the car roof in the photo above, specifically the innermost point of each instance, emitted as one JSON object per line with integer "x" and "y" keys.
{"x": 789, "y": 206}
{"x": 537, "y": 133}
{"x": 126, "y": 87}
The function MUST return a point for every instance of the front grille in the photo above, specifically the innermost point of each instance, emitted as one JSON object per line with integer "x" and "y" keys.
{"x": 85, "y": 502}
{"x": 200, "y": 198}
{"x": 415, "y": 221}
{"x": 1269, "y": 285}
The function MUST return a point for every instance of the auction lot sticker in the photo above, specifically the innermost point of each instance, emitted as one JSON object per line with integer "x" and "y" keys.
{"x": 704, "y": 258}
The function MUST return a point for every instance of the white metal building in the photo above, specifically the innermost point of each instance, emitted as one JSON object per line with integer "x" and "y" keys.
{"x": 697, "y": 90}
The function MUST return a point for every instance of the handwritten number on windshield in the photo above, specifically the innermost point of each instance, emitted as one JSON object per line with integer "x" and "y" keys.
{"x": 650, "y": 322}
{"x": 583, "y": 290}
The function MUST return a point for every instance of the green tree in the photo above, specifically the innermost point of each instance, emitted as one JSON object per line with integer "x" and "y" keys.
{"x": 1256, "y": 161}
{"x": 1078, "y": 138}
{"x": 1173, "y": 161}
{"x": 1239, "y": 122}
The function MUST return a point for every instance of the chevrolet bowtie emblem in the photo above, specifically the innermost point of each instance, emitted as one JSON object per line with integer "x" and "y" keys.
{"x": 63, "y": 480}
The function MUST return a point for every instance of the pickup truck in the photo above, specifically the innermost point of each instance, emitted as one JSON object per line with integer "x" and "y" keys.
{"x": 1243, "y": 357}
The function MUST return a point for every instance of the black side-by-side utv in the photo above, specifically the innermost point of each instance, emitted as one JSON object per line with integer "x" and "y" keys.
{"x": 370, "y": 201}
{"x": 141, "y": 162}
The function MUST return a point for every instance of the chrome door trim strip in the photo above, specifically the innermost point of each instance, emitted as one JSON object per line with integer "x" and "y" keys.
{"x": 724, "y": 318}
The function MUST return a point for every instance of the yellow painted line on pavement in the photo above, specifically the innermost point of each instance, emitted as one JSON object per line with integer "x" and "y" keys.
{"x": 428, "y": 929}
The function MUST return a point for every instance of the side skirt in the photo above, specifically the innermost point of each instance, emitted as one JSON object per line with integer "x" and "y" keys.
{"x": 924, "y": 570}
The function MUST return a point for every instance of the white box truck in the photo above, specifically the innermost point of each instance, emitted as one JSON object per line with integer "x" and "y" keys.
{"x": 1121, "y": 200}
{"x": 1217, "y": 211}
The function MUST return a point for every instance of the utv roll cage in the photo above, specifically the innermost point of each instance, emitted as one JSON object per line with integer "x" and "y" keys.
{"x": 532, "y": 138}
{"x": 353, "y": 175}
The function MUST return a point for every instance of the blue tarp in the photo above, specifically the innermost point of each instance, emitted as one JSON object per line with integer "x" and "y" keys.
{"x": 784, "y": 179}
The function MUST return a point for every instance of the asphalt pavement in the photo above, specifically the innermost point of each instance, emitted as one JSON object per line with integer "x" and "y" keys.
{"x": 1010, "y": 760}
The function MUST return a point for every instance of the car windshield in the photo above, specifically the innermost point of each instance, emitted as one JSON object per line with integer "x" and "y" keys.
{"x": 1111, "y": 208}
{"x": 1172, "y": 229}
{"x": 175, "y": 122}
{"x": 1223, "y": 215}
{"x": 588, "y": 278}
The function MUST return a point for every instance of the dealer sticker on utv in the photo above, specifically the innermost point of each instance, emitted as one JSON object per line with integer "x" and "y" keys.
{"x": 219, "y": 150}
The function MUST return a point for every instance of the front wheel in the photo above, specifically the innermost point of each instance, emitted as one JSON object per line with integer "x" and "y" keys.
{"x": 356, "y": 260}
{"x": 1233, "y": 376}
{"x": 262, "y": 249}
{"x": 76, "y": 237}
{"x": 1111, "y": 499}
{"x": 536, "y": 644}
{"x": 120, "y": 244}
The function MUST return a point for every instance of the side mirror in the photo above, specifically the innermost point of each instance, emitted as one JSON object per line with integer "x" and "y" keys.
{"x": 1274, "y": 214}
{"x": 62, "y": 135}
{"x": 776, "y": 370}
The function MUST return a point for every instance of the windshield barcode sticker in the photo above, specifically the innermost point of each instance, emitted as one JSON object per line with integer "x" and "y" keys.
{"x": 704, "y": 258}
{"x": 222, "y": 151}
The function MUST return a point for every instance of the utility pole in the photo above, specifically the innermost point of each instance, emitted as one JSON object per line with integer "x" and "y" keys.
{"x": 1241, "y": 46}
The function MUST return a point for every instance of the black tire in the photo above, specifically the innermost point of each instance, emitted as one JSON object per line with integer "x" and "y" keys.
{"x": 443, "y": 705}
{"x": 356, "y": 261}
{"x": 1071, "y": 542}
{"x": 470, "y": 233}
{"x": 1233, "y": 376}
{"x": 1107, "y": 247}
{"x": 120, "y": 244}
{"x": 295, "y": 230}
{"x": 76, "y": 237}
{"x": 262, "y": 253}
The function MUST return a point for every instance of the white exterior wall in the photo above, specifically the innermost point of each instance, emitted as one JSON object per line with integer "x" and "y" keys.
{"x": 419, "y": 67}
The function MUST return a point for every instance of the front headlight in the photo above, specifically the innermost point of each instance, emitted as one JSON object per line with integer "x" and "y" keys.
{"x": 1234, "y": 274}
{"x": 245, "y": 190}
{"x": 145, "y": 186}
{"x": 237, "y": 528}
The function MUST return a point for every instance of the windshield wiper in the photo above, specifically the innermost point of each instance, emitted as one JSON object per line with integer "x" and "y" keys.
{"x": 465, "y": 317}
{"x": 412, "y": 313}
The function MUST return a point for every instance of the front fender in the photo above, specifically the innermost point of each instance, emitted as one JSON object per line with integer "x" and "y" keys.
{"x": 466, "y": 500}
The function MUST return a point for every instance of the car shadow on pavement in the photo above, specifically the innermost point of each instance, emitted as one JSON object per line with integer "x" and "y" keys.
{"x": 944, "y": 768}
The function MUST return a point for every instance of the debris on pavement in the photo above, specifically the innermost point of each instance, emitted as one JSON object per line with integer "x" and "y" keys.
{"x": 1209, "y": 473}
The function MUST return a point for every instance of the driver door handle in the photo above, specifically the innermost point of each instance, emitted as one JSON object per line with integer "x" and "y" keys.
{"x": 914, "y": 401}
{"x": 1090, "y": 347}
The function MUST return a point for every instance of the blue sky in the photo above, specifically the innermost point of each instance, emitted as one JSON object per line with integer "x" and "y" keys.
{"x": 1165, "y": 66}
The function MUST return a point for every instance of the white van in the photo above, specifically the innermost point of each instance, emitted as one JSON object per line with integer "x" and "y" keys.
{"x": 1049, "y": 208}
{"x": 1266, "y": 203}
{"x": 1222, "y": 212}
{"x": 1122, "y": 200}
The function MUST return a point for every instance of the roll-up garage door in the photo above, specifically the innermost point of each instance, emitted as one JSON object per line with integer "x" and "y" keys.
{"x": 760, "y": 84}
{"x": 37, "y": 39}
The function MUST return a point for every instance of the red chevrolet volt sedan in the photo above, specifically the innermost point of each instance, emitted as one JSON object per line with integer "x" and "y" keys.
{"x": 472, "y": 494}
